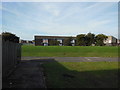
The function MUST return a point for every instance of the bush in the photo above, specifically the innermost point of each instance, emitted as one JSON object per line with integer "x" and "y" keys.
{"x": 6, "y": 36}
{"x": 67, "y": 41}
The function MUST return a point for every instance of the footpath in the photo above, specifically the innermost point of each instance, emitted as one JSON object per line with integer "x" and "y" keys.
{"x": 28, "y": 74}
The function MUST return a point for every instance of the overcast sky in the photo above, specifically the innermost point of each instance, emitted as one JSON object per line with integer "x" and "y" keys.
{"x": 26, "y": 19}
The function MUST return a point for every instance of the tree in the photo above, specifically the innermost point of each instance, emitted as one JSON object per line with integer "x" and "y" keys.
{"x": 54, "y": 43}
{"x": 90, "y": 39}
{"x": 81, "y": 40}
{"x": 99, "y": 39}
{"x": 67, "y": 41}
{"x": 7, "y": 36}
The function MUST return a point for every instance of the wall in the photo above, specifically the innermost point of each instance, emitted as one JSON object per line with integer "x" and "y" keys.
{"x": 114, "y": 40}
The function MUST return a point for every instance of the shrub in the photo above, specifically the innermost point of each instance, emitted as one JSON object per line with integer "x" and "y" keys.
{"x": 6, "y": 36}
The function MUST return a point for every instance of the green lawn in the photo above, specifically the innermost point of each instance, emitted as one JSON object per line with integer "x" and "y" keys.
{"x": 70, "y": 51}
{"x": 81, "y": 74}
{"x": 77, "y": 74}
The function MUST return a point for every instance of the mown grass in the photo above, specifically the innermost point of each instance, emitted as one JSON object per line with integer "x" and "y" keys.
{"x": 81, "y": 74}
{"x": 70, "y": 51}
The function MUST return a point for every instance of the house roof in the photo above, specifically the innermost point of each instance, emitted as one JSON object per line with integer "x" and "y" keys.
{"x": 51, "y": 37}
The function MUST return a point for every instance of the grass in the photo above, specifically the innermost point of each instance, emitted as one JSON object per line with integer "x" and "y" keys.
{"x": 70, "y": 51}
{"x": 77, "y": 74}
{"x": 81, "y": 74}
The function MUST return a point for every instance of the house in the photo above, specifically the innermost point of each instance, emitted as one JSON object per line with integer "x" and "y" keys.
{"x": 110, "y": 41}
{"x": 45, "y": 40}
{"x": 26, "y": 42}
{"x": 118, "y": 42}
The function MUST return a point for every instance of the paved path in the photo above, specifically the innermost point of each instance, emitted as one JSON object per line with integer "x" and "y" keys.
{"x": 28, "y": 74}
{"x": 72, "y": 59}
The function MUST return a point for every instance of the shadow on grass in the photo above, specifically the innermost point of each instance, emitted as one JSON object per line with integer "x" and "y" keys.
{"x": 58, "y": 76}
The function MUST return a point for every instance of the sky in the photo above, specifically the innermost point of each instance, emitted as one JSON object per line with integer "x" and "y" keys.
{"x": 26, "y": 19}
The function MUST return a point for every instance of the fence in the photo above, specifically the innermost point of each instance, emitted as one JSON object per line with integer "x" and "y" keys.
{"x": 0, "y": 62}
{"x": 11, "y": 56}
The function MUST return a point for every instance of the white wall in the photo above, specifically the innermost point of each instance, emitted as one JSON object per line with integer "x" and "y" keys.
{"x": 73, "y": 41}
{"x": 59, "y": 40}
{"x": 45, "y": 40}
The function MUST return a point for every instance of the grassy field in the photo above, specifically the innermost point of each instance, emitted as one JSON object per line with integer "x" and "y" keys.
{"x": 77, "y": 74}
{"x": 81, "y": 74}
{"x": 69, "y": 51}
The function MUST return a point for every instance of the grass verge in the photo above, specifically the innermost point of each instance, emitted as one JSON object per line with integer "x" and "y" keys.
{"x": 70, "y": 51}
{"x": 81, "y": 74}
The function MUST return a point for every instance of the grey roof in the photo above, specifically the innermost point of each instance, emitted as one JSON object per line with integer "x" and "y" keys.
{"x": 51, "y": 37}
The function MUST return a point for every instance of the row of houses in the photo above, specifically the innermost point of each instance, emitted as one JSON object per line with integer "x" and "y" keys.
{"x": 27, "y": 42}
{"x": 45, "y": 40}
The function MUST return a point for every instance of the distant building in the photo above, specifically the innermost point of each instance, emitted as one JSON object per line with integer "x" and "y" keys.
{"x": 44, "y": 40}
{"x": 110, "y": 41}
{"x": 26, "y": 42}
{"x": 118, "y": 42}
{"x": 22, "y": 41}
